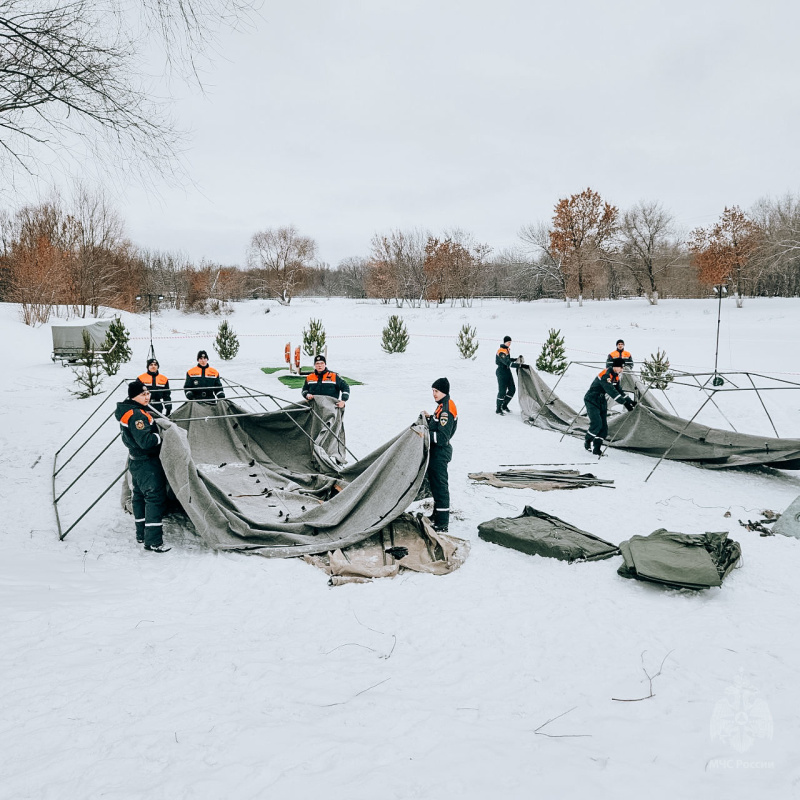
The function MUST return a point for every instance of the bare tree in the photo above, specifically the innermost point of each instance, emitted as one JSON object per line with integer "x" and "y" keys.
{"x": 397, "y": 267}
{"x": 548, "y": 263}
{"x": 283, "y": 256}
{"x": 648, "y": 245}
{"x": 70, "y": 72}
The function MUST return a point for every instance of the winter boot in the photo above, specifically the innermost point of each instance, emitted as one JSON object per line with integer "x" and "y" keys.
{"x": 587, "y": 442}
{"x": 442, "y": 520}
{"x": 157, "y": 548}
{"x": 504, "y": 407}
{"x": 597, "y": 449}
{"x": 499, "y": 409}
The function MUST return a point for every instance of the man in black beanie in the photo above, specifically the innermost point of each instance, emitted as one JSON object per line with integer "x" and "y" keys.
{"x": 149, "y": 497}
{"x": 158, "y": 384}
{"x": 506, "y": 388}
{"x": 442, "y": 426}
{"x": 605, "y": 385}
{"x": 203, "y": 382}
{"x": 323, "y": 381}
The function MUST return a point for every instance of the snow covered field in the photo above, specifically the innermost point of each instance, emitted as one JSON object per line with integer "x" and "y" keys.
{"x": 201, "y": 675}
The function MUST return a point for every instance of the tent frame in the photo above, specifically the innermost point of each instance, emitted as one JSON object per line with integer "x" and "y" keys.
{"x": 709, "y": 387}
{"x": 241, "y": 392}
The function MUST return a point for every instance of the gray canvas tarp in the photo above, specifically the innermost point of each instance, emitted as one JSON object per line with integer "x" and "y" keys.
{"x": 650, "y": 430}
{"x": 680, "y": 560}
{"x": 789, "y": 522}
{"x": 539, "y": 534}
{"x": 270, "y": 483}
{"x": 70, "y": 337}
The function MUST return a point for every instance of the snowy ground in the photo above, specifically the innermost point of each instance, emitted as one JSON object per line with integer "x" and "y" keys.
{"x": 199, "y": 675}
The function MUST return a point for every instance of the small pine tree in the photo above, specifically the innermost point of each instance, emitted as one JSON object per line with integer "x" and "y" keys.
{"x": 227, "y": 342}
{"x": 395, "y": 336}
{"x": 656, "y": 372}
{"x": 88, "y": 372}
{"x": 116, "y": 346}
{"x": 553, "y": 358}
{"x": 467, "y": 342}
{"x": 314, "y": 338}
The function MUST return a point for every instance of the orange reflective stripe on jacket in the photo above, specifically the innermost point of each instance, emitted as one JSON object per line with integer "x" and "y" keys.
{"x": 451, "y": 407}
{"x": 210, "y": 372}
{"x": 147, "y": 379}
{"x": 125, "y": 418}
{"x": 617, "y": 354}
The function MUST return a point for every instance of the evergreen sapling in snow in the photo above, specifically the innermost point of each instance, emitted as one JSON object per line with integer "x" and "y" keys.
{"x": 88, "y": 372}
{"x": 314, "y": 338}
{"x": 656, "y": 372}
{"x": 553, "y": 358}
{"x": 395, "y": 336}
{"x": 227, "y": 343}
{"x": 116, "y": 346}
{"x": 467, "y": 342}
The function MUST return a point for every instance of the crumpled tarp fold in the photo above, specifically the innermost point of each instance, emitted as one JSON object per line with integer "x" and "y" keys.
{"x": 539, "y": 534}
{"x": 649, "y": 429}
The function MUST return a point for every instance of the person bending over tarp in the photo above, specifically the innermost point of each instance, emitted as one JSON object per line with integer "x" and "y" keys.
{"x": 605, "y": 385}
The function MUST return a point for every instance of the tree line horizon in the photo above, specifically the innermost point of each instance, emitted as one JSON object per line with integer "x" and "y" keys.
{"x": 76, "y": 254}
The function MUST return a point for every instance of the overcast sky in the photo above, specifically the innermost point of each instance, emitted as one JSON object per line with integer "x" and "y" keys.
{"x": 347, "y": 118}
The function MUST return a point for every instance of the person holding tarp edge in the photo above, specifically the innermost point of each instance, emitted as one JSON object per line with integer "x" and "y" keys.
{"x": 605, "y": 385}
{"x": 149, "y": 495}
{"x": 622, "y": 353}
{"x": 442, "y": 426}
{"x": 506, "y": 387}
{"x": 326, "y": 383}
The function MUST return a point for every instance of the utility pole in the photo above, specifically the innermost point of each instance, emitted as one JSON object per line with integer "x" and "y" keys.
{"x": 152, "y": 352}
{"x": 720, "y": 289}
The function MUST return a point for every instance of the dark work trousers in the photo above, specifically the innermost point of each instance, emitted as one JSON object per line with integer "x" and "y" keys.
{"x": 506, "y": 388}
{"x": 598, "y": 420}
{"x": 149, "y": 499}
{"x": 437, "y": 478}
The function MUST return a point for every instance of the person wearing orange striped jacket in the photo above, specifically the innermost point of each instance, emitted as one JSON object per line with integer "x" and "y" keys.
{"x": 605, "y": 385}
{"x": 442, "y": 426}
{"x": 203, "y": 382}
{"x": 323, "y": 382}
{"x": 622, "y": 353}
{"x": 149, "y": 495}
{"x": 160, "y": 393}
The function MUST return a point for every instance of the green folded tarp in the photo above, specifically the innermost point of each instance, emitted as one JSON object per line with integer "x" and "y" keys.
{"x": 680, "y": 560}
{"x": 539, "y": 534}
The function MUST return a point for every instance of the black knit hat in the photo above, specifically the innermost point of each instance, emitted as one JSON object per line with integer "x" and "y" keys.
{"x": 152, "y": 361}
{"x": 620, "y": 341}
{"x": 442, "y": 384}
{"x": 617, "y": 362}
{"x": 506, "y": 339}
{"x": 135, "y": 388}
{"x": 320, "y": 358}
{"x": 201, "y": 354}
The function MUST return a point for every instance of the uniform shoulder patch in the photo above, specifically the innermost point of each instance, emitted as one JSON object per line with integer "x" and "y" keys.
{"x": 443, "y": 418}
{"x": 140, "y": 424}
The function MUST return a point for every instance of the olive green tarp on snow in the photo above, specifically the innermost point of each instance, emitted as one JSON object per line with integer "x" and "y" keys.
{"x": 539, "y": 534}
{"x": 273, "y": 484}
{"x": 649, "y": 429}
{"x": 680, "y": 560}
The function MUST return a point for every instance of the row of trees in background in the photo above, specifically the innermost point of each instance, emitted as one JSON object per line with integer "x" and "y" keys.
{"x": 74, "y": 254}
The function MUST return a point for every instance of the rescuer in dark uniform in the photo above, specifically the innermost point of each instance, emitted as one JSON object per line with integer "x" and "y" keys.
{"x": 158, "y": 384}
{"x": 605, "y": 385}
{"x": 506, "y": 388}
{"x": 622, "y": 353}
{"x": 323, "y": 382}
{"x": 442, "y": 426}
{"x": 149, "y": 497}
{"x": 203, "y": 382}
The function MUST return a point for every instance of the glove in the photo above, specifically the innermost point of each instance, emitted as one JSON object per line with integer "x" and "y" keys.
{"x": 629, "y": 404}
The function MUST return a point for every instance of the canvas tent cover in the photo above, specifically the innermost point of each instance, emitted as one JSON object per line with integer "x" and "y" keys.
{"x": 539, "y": 534}
{"x": 69, "y": 337}
{"x": 680, "y": 560}
{"x": 649, "y": 429}
{"x": 274, "y": 484}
